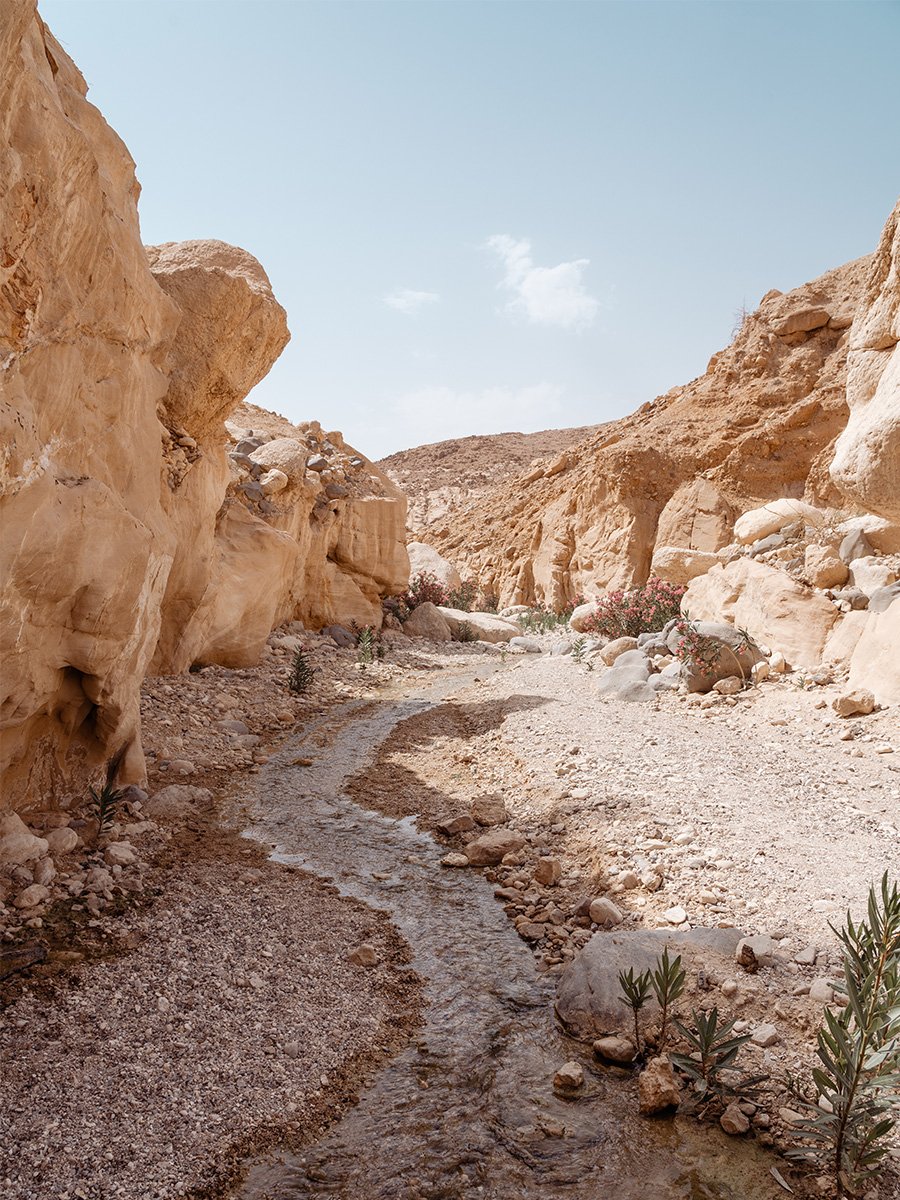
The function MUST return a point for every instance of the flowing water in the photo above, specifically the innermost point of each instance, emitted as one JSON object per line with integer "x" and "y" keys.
{"x": 468, "y": 1109}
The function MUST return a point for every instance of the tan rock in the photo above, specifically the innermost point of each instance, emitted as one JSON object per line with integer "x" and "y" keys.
{"x": 616, "y": 648}
{"x": 569, "y": 1077}
{"x": 604, "y": 912}
{"x": 548, "y": 872}
{"x": 859, "y": 702}
{"x": 425, "y": 558}
{"x": 489, "y": 810}
{"x": 875, "y": 663}
{"x": 18, "y": 845}
{"x": 582, "y": 616}
{"x": 773, "y": 517}
{"x": 823, "y": 567}
{"x": 870, "y": 573}
{"x": 768, "y": 604}
{"x": 679, "y": 565}
{"x": 489, "y": 849}
{"x": 426, "y": 621}
{"x": 61, "y": 841}
{"x": 658, "y": 1089}
{"x": 484, "y": 626}
{"x": 615, "y": 1049}
{"x": 866, "y": 463}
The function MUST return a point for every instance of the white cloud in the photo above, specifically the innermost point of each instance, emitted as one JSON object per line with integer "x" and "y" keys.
{"x": 545, "y": 295}
{"x": 408, "y": 301}
{"x": 433, "y": 414}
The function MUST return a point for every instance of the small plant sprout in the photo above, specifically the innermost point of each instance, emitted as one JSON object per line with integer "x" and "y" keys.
{"x": 714, "y": 1049}
{"x": 579, "y": 648}
{"x": 464, "y": 632}
{"x": 301, "y": 675}
{"x": 635, "y": 993}
{"x": 366, "y": 645}
{"x": 853, "y": 1110}
{"x": 668, "y": 985}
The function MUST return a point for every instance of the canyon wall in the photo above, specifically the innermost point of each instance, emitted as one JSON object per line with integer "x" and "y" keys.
{"x": 133, "y": 537}
{"x": 759, "y": 425}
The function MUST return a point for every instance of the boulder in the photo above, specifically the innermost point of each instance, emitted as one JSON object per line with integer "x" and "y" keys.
{"x": 679, "y": 565}
{"x": 18, "y": 845}
{"x": 528, "y": 645}
{"x": 284, "y": 455}
{"x": 423, "y": 557}
{"x": 823, "y": 567}
{"x": 802, "y": 320}
{"x": 772, "y": 518}
{"x": 426, "y": 621}
{"x": 627, "y": 679}
{"x": 61, "y": 841}
{"x": 177, "y": 802}
{"x": 582, "y": 617}
{"x": 484, "y": 626}
{"x": 489, "y": 810}
{"x": 613, "y": 650}
{"x": 588, "y": 993}
{"x": 491, "y": 848}
{"x": 875, "y": 661}
{"x": 768, "y": 604}
{"x": 871, "y": 573}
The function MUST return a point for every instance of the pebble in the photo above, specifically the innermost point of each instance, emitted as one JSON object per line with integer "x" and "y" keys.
{"x": 764, "y": 1035}
{"x": 616, "y": 1049}
{"x": 365, "y": 955}
{"x": 569, "y": 1077}
{"x": 821, "y": 991}
{"x": 675, "y": 916}
{"x": 603, "y": 912}
{"x": 734, "y": 1121}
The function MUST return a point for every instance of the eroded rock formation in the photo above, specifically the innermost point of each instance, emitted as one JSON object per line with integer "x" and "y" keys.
{"x": 130, "y": 537}
{"x": 759, "y": 425}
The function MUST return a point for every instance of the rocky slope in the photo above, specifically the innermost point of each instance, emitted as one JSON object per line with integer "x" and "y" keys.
{"x": 440, "y": 477}
{"x": 130, "y": 536}
{"x": 759, "y": 425}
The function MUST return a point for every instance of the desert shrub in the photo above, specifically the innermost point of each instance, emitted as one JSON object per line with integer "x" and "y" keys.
{"x": 644, "y": 609}
{"x": 463, "y": 597}
{"x": 301, "y": 675}
{"x": 369, "y": 645}
{"x": 701, "y": 653}
{"x": 540, "y": 619}
{"x": 490, "y": 603}
{"x": 713, "y": 1051}
{"x": 859, "y": 1051}
{"x": 104, "y": 803}
{"x": 424, "y": 587}
{"x": 464, "y": 632}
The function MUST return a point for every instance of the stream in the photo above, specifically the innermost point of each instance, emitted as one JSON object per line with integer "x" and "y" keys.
{"x": 468, "y": 1108}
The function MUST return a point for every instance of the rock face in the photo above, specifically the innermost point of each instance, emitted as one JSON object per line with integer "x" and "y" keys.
{"x": 866, "y": 464}
{"x": 129, "y": 536}
{"x": 760, "y": 425}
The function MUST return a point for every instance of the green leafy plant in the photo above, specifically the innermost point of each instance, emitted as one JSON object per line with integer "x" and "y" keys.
{"x": 644, "y": 609}
{"x": 579, "y": 648}
{"x": 714, "y": 1050}
{"x": 701, "y": 653}
{"x": 464, "y": 632}
{"x": 859, "y": 1052}
{"x": 369, "y": 645}
{"x": 635, "y": 993}
{"x": 463, "y": 597}
{"x": 668, "y": 986}
{"x": 104, "y": 804}
{"x": 301, "y": 675}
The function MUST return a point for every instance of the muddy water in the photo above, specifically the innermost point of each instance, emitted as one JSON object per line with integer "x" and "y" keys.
{"x": 468, "y": 1110}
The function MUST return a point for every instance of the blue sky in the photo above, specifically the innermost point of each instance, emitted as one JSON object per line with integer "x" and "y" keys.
{"x": 495, "y": 216}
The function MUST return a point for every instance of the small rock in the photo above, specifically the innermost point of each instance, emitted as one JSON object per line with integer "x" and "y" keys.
{"x": 658, "y": 1087}
{"x": 548, "y": 872}
{"x": 603, "y": 912}
{"x": 119, "y": 854}
{"x": 753, "y": 952}
{"x": 569, "y": 1077}
{"x": 18, "y": 845}
{"x": 455, "y": 859}
{"x": 182, "y": 766}
{"x": 491, "y": 848}
{"x": 615, "y": 1049}
{"x": 62, "y": 841}
{"x": 34, "y": 894}
{"x": 764, "y": 1035}
{"x": 292, "y": 1049}
{"x": 729, "y": 686}
{"x": 806, "y": 957}
{"x": 733, "y": 1121}
{"x": 675, "y": 916}
{"x": 629, "y": 880}
{"x": 821, "y": 991}
{"x": 859, "y": 702}
{"x": 454, "y": 825}
{"x": 45, "y": 871}
{"x": 364, "y": 955}
{"x": 489, "y": 810}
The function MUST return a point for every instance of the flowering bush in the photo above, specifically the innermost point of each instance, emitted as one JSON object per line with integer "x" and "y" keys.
{"x": 641, "y": 610}
{"x": 424, "y": 587}
{"x": 703, "y": 654}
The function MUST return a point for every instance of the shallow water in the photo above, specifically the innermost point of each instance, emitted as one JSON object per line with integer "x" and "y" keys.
{"x": 468, "y": 1109}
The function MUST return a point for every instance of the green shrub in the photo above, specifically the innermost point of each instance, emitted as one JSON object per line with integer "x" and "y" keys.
{"x": 463, "y": 597}
{"x": 301, "y": 675}
{"x": 424, "y": 586}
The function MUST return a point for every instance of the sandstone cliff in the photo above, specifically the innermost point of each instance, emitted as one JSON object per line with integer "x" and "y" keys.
{"x": 130, "y": 537}
{"x": 442, "y": 476}
{"x": 760, "y": 424}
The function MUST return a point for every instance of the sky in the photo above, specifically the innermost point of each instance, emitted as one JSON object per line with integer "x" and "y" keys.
{"x": 484, "y": 217}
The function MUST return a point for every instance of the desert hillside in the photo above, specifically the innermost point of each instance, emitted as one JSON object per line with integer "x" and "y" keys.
{"x": 440, "y": 477}
{"x": 761, "y": 423}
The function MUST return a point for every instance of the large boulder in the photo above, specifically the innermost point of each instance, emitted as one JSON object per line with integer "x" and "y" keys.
{"x": 720, "y": 652}
{"x": 484, "y": 627}
{"x": 588, "y": 998}
{"x": 679, "y": 565}
{"x": 866, "y": 463}
{"x": 875, "y": 659}
{"x": 425, "y": 621}
{"x": 423, "y": 557}
{"x": 768, "y": 604}
{"x": 772, "y": 518}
